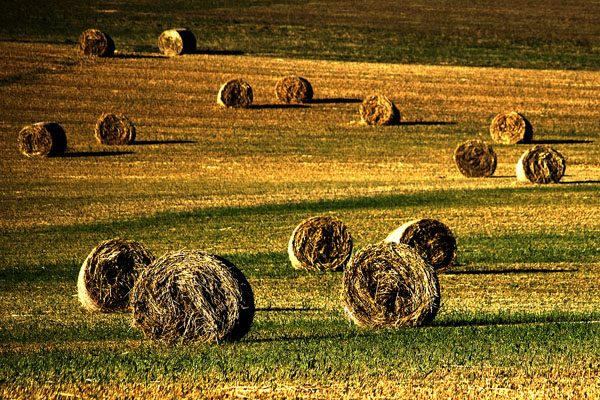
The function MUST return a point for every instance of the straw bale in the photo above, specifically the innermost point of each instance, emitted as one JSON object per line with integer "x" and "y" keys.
{"x": 235, "y": 93}
{"x": 94, "y": 42}
{"x": 42, "y": 139}
{"x": 294, "y": 89}
{"x": 174, "y": 42}
{"x": 475, "y": 158}
{"x": 114, "y": 129}
{"x": 377, "y": 109}
{"x": 541, "y": 164}
{"x": 511, "y": 128}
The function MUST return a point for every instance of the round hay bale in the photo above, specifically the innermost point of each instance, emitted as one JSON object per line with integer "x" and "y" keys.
{"x": 109, "y": 272}
{"x": 389, "y": 285}
{"x": 114, "y": 129}
{"x": 42, "y": 139}
{"x": 320, "y": 244}
{"x": 94, "y": 42}
{"x": 376, "y": 109}
{"x": 432, "y": 239}
{"x": 192, "y": 296}
{"x": 541, "y": 164}
{"x": 174, "y": 42}
{"x": 475, "y": 158}
{"x": 294, "y": 89}
{"x": 235, "y": 93}
{"x": 511, "y": 128}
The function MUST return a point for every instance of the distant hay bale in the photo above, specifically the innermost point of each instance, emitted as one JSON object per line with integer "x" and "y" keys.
{"x": 511, "y": 128}
{"x": 294, "y": 89}
{"x": 174, "y": 42}
{"x": 109, "y": 272}
{"x": 541, "y": 164}
{"x": 376, "y": 109}
{"x": 114, "y": 129}
{"x": 320, "y": 244}
{"x": 432, "y": 239}
{"x": 192, "y": 296}
{"x": 389, "y": 285}
{"x": 94, "y": 42}
{"x": 42, "y": 139}
{"x": 235, "y": 93}
{"x": 475, "y": 158}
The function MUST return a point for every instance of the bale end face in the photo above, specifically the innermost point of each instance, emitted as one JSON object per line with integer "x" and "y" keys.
{"x": 174, "y": 42}
{"x": 42, "y": 139}
{"x": 235, "y": 93}
{"x": 377, "y": 109}
{"x": 114, "y": 129}
{"x": 475, "y": 158}
{"x": 511, "y": 128}
{"x": 541, "y": 164}
{"x": 294, "y": 89}
{"x": 96, "y": 43}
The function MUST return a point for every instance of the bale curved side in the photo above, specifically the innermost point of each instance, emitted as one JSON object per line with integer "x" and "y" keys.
{"x": 42, "y": 139}
{"x": 432, "y": 239}
{"x": 174, "y": 42}
{"x": 235, "y": 93}
{"x": 108, "y": 274}
{"x": 294, "y": 89}
{"x": 192, "y": 296}
{"x": 94, "y": 42}
{"x": 541, "y": 164}
{"x": 389, "y": 285}
{"x": 377, "y": 109}
{"x": 475, "y": 158}
{"x": 114, "y": 129}
{"x": 511, "y": 128}
{"x": 320, "y": 243}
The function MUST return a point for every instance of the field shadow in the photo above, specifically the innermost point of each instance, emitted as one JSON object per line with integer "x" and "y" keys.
{"x": 135, "y": 56}
{"x": 411, "y": 123}
{"x": 145, "y": 142}
{"x": 219, "y": 52}
{"x": 511, "y": 271}
{"x": 276, "y": 106}
{"x": 286, "y": 309}
{"x": 561, "y": 141}
{"x": 336, "y": 100}
{"x": 96, "y": 153}
{"x": 579, "y": 182}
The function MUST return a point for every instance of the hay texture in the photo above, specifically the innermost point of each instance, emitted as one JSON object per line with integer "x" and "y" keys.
{"x": 511, "y": 128}
{"x": 42, "y": 139}
{"x": 192, "y": 296}
{"x": 235, "y": 93}
{"x": 109, "y": 272}
{"x": 294, "y": 89}
{"x": 475, "y": 158}
{"x": 174, "y": 42}
{"x": 432, "y": 239}
{"x": 114, "y": 129}
{"x": 541, "y": 164}
{"x": 96, "y": 43}
{"x": 389, "y": 285}
{"x": 376, "y": 109}
{"x": 320, "y": 244}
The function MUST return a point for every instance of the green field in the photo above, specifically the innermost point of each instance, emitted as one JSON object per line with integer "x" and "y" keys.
{"x": 519, "y": 315}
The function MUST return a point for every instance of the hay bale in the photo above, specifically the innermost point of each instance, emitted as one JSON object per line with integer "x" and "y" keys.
{"x": 94, "y": 42}
{"x": 432, "y": 239}
{"x": 376, "y": 109}
{"x": 541, "y": 164}
{"x": 320, "y": 244}
{"x": 511, "y": 128}
{"x": 192, "y": 296}
{"x": 294, "y": 89}
{"x": 475, "y": 158}
{"x": 109, "y": 272}
{"x": 114, "y": 129}
{"x": 389, "y": 285}
{"x": 235, "y": 93}
{"x": 174, "y": 42}
{"x": 42, "y": 139}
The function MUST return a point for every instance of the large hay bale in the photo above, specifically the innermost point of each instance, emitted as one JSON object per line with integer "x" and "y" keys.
{"x": 235, "y": 93}
{"x": 475, "y": 158}
{"x": 191, "y": 296}
{"x": 541, "y": 164}
{"x": 174, "y": 42}
{"x": 320, "y": 244}
{"x": 94, "y": 42}
{"x": 389, "y": 285}
{"x": 294, "y": 89}
{"x": 377, "y": 109}
{"x": 114, "y": 129}
{"x": 432, "y": 239}
{"x": 109, "y": 272}
{"x": 42, "y": 139}
{"x": 511, "y": 128}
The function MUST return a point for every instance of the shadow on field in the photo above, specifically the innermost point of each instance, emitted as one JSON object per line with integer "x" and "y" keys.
{"x": 511, "y": 271}
{"x": 579, "y": 182}
{"x": 286, "y": 309}
{"x": 337, "y": 100}
{"x": 410, "y": 123}
{"x": 276, "y": 106}
{"x": 96, "y": 153}
{"x": 561, "y": 141}
{"x": 145, "y": 142}
{"x": 220, "y": 52}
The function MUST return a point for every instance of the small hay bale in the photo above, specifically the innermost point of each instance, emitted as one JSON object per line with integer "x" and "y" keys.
{"x": 294, "y": 89}
{"x": 432, "y": 239}
{"x": 109, "y": 272}
{"x": 42, "y": 139}
{"x": 320, "y": 244}
{"x": 511, "y": 128}
{"x": 475, "y": 158}
{"x": 114, "y": 129}
{"x": 541, "y": 164}
{"x": 174, "y": 42}
{"x": 235, "y": 93}
{"x": 389, "y": 285}
{"x": 94, "y": 42}
{"x": 376, "y": 109}
{"x": 192, "y": 296}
